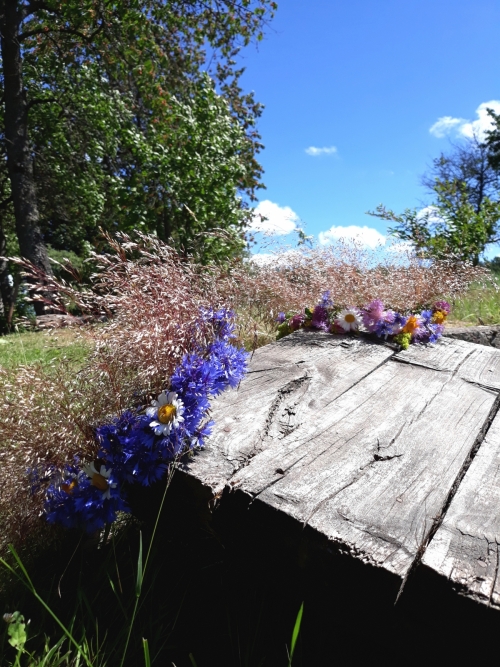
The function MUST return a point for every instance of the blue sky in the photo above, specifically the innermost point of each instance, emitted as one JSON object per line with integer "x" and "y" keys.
{"x": 368, "y": 80}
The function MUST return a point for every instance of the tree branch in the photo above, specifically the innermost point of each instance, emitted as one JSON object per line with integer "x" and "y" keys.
{"x": 61, "y": 31}
{"x": 32, "y": 103}
{"x": 32, "y": 7}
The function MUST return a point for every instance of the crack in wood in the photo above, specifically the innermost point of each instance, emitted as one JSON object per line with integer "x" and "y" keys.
{"x": 284, "y": 394}
{"x": 493, "y": 584}
{"x": 439, "y": 518}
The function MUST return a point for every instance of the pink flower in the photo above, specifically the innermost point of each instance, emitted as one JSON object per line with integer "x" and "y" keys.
{"x": 372, "y": 314}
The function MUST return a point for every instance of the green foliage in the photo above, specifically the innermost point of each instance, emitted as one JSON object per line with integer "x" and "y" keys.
{"x": 295, "y": 634}
{"x": 67, "y": 265}
{"x": 451, "y": 229}
{"x": 137, "y": 121}
{"x": 463, "y": 218}
{"x": 16, "y": 630}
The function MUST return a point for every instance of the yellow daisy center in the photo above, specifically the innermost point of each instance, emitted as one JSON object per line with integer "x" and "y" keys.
{"x": 350, "y": 318}
{"x": 166, "y": 413}
{"x": 99, "y": 482}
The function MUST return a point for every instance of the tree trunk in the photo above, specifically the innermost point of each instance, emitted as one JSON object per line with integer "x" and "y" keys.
{"x": 19, "y": 159}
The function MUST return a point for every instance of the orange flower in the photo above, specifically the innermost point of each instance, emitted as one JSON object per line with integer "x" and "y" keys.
{"x": 411, "y": 325}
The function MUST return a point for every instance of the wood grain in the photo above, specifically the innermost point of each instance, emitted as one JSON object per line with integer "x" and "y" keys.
{"x": 465, "y": 549}
{"x": 344, "y": 435}
{"x": 474, "y": 363}
{"x": 263, "y": 409}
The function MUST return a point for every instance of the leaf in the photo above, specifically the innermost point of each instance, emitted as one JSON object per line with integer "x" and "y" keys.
{"x": 295, "y": 633}
{"x": 147, "y": 659}
{"x": 140, "y": 573}
{"x": 17, "y": 631}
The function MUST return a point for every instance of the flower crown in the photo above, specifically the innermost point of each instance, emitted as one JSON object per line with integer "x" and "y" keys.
{"x": 403, "y": 329}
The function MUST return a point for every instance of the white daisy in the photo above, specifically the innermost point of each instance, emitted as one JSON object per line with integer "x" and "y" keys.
{"x": 349, "y": 319}
{"x": 166, "y": 412}
{"x": 99, "y": 479}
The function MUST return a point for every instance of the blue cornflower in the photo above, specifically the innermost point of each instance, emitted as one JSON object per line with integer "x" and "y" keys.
{"x": 230, "y": 363}
{"x": 130, "y": 445}
{"x": 385, "y": 325}
{"x": 222, "y": 321}
{"x": 399, "y": 322}
{"x": 194, "y": 380}
{"x": 426, "y": 316}
{"x": 74, "y": 500}
{"x": 134, "y": 452}
{"x": 198, "y": 439}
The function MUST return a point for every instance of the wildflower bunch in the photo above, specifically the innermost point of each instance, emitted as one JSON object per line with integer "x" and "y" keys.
{"x": 354, "y": 274}
{"x": 374, "y": 318}
{"x": 157, "y": 310}
{"x": 139, "y": 445}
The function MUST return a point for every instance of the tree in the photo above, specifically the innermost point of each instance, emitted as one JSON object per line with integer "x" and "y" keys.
{"x": 463, "y": 218}
{"x": 106, "y": 113}
{"x": 493, "y": 142}
{"x": 17, "y": 145}
{"x": 469, "y": 163}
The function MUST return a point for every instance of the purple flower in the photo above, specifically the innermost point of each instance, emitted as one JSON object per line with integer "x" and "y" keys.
{"x": 385, "y": 325}
{"x": 281, "y": 317}
{"x": 326, "y": 301}
{"x": 320, "y": 318}
{"x": 296, "y": 322}
{"x": 372, "y": 314}
{"x": 399, "y": 322}
{"x": 443, "y": 306}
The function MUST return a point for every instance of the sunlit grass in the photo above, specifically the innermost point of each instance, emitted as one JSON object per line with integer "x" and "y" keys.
{"x": 480, "y": 305}
{"x": 43, "y": 347}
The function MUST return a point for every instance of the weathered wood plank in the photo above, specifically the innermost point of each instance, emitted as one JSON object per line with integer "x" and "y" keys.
{"x": 372, "y": 468}
{"x": 466, "y": 547}
{"x": 360, "y": 444}
{"x": 264, "y": 407}
{"x": 474, "y": 363}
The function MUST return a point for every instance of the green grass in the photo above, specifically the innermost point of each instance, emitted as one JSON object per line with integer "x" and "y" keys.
{"x": 42, "y": 347}
{"x": 481, "y": 305}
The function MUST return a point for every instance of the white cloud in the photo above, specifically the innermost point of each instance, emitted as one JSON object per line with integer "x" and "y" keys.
{"x": 326, "y": 150}
{"x": 273, "y": 220}
{"x": 445, "y": 125}
{"x": 262, "y": 258}
{"x": 431, "y": 214}
{"x": 478, "y": 127}
{"x": 466, "y": 128}
{"x": 281, "y": 258}
{"x": 368, "y": 236}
